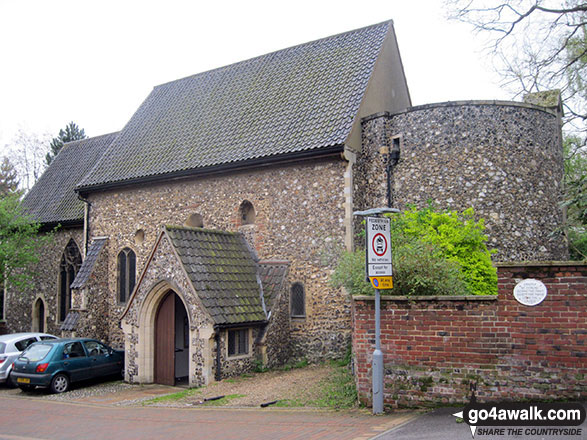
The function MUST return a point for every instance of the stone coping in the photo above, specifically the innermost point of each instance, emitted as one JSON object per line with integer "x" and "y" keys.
{"x": 427, "y": 298}
{"x": 500, "y": 103}
{"x": 540, "y": 263}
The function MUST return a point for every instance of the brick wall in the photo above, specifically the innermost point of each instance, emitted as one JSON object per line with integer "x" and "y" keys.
{"x": 434, "y": 348}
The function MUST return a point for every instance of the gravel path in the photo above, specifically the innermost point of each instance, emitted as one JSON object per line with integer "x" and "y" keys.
{"x": 301, "y": 385}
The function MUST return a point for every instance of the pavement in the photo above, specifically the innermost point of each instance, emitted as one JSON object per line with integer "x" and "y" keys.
{"x": 116, "y": 411}
{"x": 36, "y": 415}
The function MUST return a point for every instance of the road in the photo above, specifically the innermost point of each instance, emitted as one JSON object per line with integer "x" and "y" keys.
{"x": 24, "y": 418}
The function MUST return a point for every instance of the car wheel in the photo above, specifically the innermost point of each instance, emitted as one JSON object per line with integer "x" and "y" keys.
{"x": 60, "y": 383}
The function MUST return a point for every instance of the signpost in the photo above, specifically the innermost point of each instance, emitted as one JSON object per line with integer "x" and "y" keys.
{"x": 379, "y": 271}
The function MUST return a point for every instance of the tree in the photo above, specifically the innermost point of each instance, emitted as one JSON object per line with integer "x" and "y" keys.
{"x": 576, "y": 200}
{"x": 19, "y": 243}
{"x": 434, "y": 253}
{"x": 28, "y": 152}
{"x": 71, "y": 133}
{"x": 541, "y": 45}
{"x": 8, "y": 177}
{"x": 538, "y": 45}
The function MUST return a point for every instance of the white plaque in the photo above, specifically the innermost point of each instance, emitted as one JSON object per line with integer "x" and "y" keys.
{"x": 530, "y": 292}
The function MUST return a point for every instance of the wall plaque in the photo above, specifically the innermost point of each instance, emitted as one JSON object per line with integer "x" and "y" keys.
{"x": 530, "y": 292}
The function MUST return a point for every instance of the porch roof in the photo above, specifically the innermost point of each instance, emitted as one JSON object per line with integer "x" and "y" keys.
{"x": 223, "y": 272}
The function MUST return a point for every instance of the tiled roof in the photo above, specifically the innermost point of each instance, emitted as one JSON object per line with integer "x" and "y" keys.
{"x": 53, "y": 199}
{"x": 301, "y": 99}
{"x": 88, "y": 265}
{"x": 273, "y": 275}
{"x": 70, "y": 322}
{"x": 222, "y": 271}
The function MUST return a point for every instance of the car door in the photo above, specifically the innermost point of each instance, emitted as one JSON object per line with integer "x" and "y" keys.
{"x": 103, "y": 363}
{"x": 76, "y": 362}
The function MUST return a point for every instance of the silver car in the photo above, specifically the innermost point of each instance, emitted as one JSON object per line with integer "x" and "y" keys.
{"x": 11, "y": 346}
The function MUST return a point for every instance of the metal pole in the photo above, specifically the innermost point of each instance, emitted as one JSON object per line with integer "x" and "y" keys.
{"x": 377, "y": 363}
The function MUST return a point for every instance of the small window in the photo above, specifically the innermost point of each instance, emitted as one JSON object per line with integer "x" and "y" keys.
{"x": 238, "y": 342}
{"x": 298, "y": 301}
{"x": 195, "y": 221}
{"x": 247, "y": 213}
{"x": 139, "y": 236}
{"x": 127, "y": 262}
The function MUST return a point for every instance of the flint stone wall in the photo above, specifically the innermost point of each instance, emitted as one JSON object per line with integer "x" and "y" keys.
{"x": 504, "y": 159}
{"x": 299, "y": 218}
{"x": 277, "y": 335}
{"x": 92, "y": 306}
{"x": 44, "y": 285}
{"x": 164, "y": 267}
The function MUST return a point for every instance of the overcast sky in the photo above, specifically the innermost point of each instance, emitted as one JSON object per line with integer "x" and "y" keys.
{"x": 94, "y": 62}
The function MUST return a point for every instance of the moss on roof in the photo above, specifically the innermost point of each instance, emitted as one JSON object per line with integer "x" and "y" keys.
{"x": 299, "y": 99}
{"x": 53, "y": 199}
{"x": 223, "y": 272}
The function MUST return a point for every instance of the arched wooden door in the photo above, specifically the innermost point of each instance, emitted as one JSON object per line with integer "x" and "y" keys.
{"x": 165, "y": 341}
{"x": 171, "y": 341}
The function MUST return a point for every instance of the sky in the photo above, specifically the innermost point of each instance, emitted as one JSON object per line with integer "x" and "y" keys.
{"x": 94, "y": 62}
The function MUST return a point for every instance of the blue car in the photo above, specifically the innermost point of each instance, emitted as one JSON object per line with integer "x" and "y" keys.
{"x": 58, "y": 363}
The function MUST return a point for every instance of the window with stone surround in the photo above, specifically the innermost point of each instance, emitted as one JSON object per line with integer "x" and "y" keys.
{"x": 71, "y": 260}
{"x": 298, "y": 301}
{"x": 238, "y": 342}
{"x": 127, "y": 265}
{"x": 247, "y": 213}
{"x": 195, "y": 221}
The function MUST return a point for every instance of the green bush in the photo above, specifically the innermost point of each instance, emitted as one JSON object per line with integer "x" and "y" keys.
{"x": 434, "y": 253}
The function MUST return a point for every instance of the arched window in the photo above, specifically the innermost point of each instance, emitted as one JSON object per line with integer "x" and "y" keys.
{"x": 127, "y": 267}
{"x": 247, "y": 213}
{"x": 39, "y": 316}
{"x": 298, "y": 301}
{"x": 71, "y": 260}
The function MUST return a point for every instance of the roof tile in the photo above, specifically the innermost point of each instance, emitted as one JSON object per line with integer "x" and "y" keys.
{"x": 297, "y": 99}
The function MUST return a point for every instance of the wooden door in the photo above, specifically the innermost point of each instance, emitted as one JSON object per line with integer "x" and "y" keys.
{"x": 165, "y": 341}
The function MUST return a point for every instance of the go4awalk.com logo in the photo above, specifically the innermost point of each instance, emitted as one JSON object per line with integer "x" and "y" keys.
{"x": 524, "y": 419}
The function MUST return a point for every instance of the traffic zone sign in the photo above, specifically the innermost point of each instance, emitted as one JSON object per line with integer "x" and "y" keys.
{"x": 379, "y": 261}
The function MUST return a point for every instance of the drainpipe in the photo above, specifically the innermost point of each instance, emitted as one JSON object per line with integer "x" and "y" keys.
{"x": 86, "y": 223}
{"x": 218, "y": 375}
{"x": 392, "y": 160}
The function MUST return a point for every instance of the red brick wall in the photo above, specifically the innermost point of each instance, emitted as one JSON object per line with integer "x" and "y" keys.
{"x": 434, "y": 348}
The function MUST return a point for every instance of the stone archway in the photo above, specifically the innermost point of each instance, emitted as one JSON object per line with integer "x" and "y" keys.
{"x": 147, "y": 331}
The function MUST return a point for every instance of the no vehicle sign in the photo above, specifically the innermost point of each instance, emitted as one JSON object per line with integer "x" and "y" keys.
{"x": 378, "y": 247}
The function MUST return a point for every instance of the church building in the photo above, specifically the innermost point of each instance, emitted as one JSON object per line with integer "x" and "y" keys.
{"x": 201, "y": 237}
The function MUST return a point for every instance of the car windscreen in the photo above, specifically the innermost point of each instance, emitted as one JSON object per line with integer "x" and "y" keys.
{"x": 2, "y": 347}
{"x": 36, "y": 352}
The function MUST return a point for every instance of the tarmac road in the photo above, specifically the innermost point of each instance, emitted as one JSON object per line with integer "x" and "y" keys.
{"x": 441, "y": 425}
{"x": 24, "y": 418}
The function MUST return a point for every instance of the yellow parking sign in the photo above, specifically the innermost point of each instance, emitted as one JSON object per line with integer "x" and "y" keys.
{"x": 382, "y": 283}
